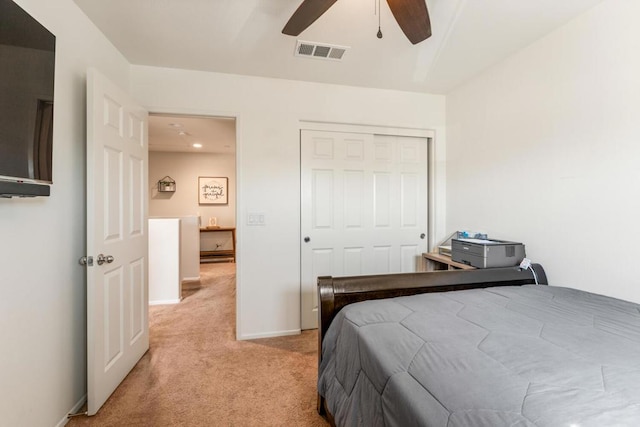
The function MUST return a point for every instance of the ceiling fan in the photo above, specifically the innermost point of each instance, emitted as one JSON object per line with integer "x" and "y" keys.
{"x": 411, "y": 15}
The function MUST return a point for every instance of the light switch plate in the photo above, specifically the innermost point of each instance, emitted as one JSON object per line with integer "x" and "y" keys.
{"x": 256, "y": 218}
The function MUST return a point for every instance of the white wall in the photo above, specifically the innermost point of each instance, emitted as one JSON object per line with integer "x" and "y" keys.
{"x": 269, "y": 112}
{"x": 189, "y": 248}
{"x": 545, "y": 147}
{"x": 43, "y": 307}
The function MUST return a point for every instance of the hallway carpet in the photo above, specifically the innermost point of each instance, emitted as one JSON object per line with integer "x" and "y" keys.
{"x": 197, "y": 374}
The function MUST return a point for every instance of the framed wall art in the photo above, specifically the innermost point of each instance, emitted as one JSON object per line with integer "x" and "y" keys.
{"x": 213, "y": 190}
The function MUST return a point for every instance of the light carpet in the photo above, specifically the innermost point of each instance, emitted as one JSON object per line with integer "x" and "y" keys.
{"x": 196, "y": 373}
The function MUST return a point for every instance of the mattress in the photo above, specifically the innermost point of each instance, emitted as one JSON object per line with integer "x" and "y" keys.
{"x": 505, "y": 356}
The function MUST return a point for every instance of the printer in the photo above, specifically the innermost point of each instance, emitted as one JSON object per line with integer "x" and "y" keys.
{"x": 486, "y": 253}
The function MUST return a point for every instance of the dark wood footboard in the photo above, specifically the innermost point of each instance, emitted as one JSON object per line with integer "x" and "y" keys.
{"x": 336, "y": 292}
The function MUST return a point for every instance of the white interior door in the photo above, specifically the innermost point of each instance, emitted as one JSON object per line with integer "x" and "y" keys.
{"x": 117, "y": 293}
{"x": 364, "y": 207}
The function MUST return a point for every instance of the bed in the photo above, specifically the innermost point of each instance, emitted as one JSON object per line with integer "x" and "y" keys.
{"x": 490, "y": 347}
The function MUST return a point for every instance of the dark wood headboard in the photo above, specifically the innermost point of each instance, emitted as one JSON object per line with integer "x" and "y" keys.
{"x": 336, "y": 292}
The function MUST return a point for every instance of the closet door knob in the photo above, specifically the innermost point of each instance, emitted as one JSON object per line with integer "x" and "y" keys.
{"x": 307, "y": 239}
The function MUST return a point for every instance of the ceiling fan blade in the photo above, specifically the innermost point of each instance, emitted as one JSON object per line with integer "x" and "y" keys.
{"x": 413, "y": 18}
{"x": 305, "y": 15}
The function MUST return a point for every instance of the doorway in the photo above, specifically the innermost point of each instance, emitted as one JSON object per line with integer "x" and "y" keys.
{"x": 187, "y": 151}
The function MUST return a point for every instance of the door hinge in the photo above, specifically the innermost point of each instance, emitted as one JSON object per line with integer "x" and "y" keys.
{"x": 86, "y": 261}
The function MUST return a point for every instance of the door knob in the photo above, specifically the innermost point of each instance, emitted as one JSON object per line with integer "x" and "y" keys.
{"x": 101, "y": 259}
{"x": 87, "y": 261}
{"x": 307, "y": 239}
{"x": 422, "y": 235}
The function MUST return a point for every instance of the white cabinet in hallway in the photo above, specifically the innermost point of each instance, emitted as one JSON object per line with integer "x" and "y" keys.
{"x": 165, "y": 281}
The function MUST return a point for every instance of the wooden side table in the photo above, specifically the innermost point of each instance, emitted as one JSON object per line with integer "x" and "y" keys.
{"x": 436, "y": 262}
{"x": 222, "y": 253}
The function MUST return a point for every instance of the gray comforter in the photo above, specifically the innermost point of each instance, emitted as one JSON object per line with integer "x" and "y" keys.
{"x": 506, "y": 356}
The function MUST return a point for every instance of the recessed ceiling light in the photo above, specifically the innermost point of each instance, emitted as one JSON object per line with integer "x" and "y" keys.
{"x": 196, "y": 145}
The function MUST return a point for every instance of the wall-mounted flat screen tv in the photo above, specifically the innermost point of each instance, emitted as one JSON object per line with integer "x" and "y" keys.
{"x": 27, "y": 66}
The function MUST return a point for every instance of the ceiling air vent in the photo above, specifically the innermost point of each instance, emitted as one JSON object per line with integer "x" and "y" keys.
{"x": 320, "y": 50}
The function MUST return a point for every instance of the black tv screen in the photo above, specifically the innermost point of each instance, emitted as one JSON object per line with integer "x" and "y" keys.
{"x": 27, "y": 65}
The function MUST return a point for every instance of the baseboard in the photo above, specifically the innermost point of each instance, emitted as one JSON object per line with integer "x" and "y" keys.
{"x": 190, "y": 286}
{"x": 165, "y": 302}
{"x": 191, "y": 279}
{"x": 73, "y": 410}
{"x": 244, "y": 337}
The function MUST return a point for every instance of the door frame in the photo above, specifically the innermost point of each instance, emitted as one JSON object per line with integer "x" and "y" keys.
{"x": 434, "y": 176}
{"x": 239, "y": 203}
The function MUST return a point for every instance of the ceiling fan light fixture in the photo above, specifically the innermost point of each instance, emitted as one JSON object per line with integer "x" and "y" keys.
{"x": 411, "y": 15}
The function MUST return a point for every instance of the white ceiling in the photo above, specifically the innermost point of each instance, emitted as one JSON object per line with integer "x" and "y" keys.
{"x": 178, "y": 134}
{"x": 244, "y": 37}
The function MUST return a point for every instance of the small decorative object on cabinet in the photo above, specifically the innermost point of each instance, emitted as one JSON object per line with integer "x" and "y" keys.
{"x": 167, "y": 185}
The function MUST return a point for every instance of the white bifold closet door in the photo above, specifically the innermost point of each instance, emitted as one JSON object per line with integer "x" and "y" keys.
{"x": 364, "y": 207}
